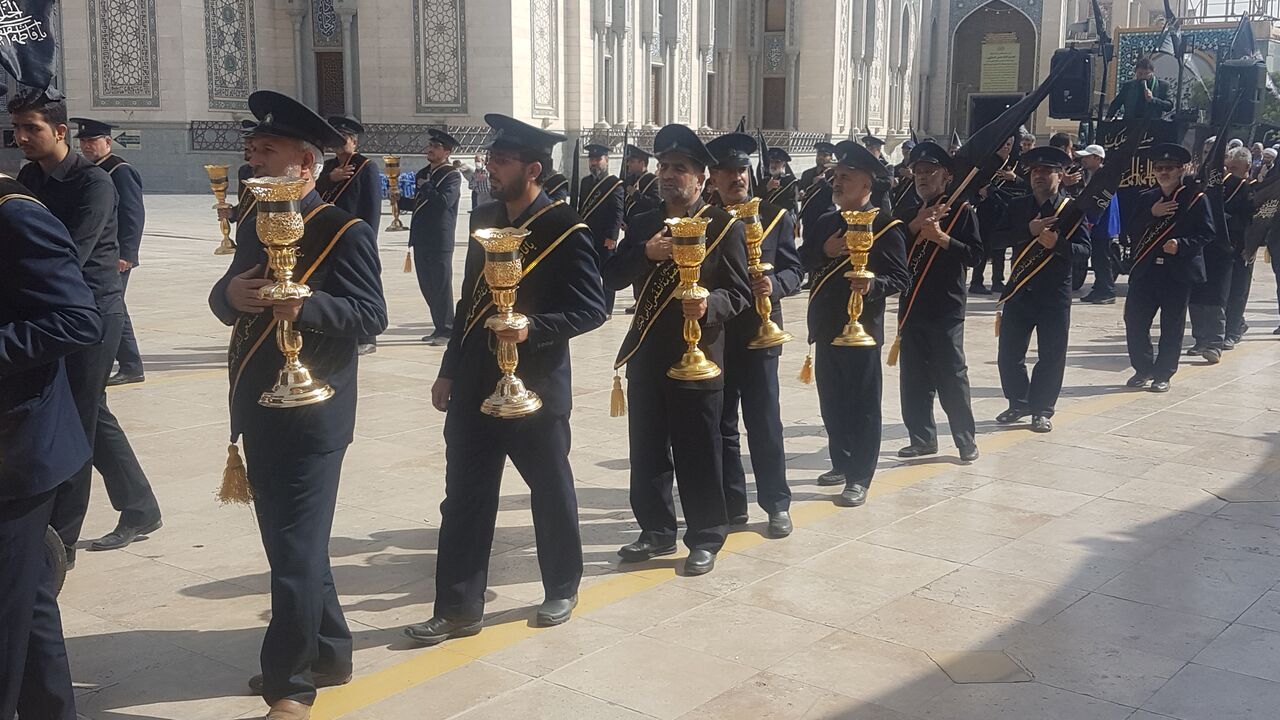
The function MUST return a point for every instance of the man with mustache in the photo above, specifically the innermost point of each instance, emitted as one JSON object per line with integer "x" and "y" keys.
{"x": 781, "y": 186}
{"x": 751, "y": 375}
{"x": 674, "y": 425}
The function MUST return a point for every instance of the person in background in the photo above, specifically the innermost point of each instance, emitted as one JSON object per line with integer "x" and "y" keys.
{"x": 1145, "y": 96}
{"x": 478, "y": 183}
{"x": 1101, "y": 231}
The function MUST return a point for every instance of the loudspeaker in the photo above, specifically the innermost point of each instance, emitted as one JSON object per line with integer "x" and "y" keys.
{"x": 1071, "y": 93}
{"x": 1244, "y": 78}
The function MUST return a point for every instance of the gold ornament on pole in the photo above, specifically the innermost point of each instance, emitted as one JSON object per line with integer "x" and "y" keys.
{"x": 503, "y": 268}
{"x": 280, "y": 227}
{"x": 392, "y": 164}
{"x": 770, "y": 334}
{"x": 688, "y": 250}
{"x": 858, "y": 238}
{"x": 218, "y": 183}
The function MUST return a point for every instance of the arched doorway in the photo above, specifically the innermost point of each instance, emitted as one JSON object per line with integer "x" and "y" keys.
{"x": 993, "y": 61}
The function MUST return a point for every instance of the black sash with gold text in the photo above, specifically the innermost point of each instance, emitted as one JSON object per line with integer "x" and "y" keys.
{"x": 336, "y": 191}
{"x": 1160, "y": 228}
{"x": 835, "y": 265}
{"x": 596, "y": 198}
{"x": 1034, "y": 257}
{"x": 920, "y": 260}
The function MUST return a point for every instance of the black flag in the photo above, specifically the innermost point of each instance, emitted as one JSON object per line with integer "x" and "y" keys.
{"x": 1242, "y": 44}
{"x": 1170, "y": 40}
{"x": 742, "y": 125}
{"x": 576, "y": 181}
{"x": 762, "y": 165}
{"x": 976, "y": 160}
{"x": 1212, "y": 173}
{"x": 1104, "y": 38}
{"x": 26, "y": 44}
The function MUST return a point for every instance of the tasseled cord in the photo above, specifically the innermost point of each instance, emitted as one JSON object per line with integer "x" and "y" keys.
{"x": 408, "y": 261}
{"x": 806, "y": 370}
{"x": 893, "y": 351}
{"x": 617, "y": 398}
{"x": 235, "y": 481}
{"x": 999, "y": 314}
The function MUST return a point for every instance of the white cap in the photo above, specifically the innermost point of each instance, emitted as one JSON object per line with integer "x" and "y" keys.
{"x": 1270, "y": 152}
{"x": 1095, "y": 150}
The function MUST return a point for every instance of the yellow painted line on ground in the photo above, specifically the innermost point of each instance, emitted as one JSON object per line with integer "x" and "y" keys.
{"x": 366, "y": 690}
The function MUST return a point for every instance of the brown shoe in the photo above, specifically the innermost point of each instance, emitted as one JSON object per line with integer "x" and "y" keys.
{"x": 288, "y": 710}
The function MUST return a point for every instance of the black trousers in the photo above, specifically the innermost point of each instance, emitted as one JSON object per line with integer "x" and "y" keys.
{"x": 1037, "y": 393}
{"x": 126, "y": 483}
{"x": 1274, "y": 251}
{"x": 996, "y": 256}
{"x": 435, "y": 279}
{"x": 476, "y": 449}
{"x": 1104, "y": 276}
{"x": 850, "y": 390}
{"x": 128, "y": 356}
{"x": 1148, "y": 294}
{"x": 675, "y": 433}
{"x": 34, "y": 677}
{"x": 87, "y": 373}
{"x": 1208, "y": 302}
{"x": 294, "y": 498}
{"x": 933, "y": 364}
{"x": 751, "y": 381}
{"x": 604, "y": 254}
{"x": 1238, "y": 296}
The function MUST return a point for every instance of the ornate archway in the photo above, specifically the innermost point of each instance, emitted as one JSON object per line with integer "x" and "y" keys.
{"x": 993, "y": 54}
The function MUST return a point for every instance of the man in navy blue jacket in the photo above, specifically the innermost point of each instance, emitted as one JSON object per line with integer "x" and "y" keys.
{"x": 435, "y": 217}
{"x": 46, "y": 312}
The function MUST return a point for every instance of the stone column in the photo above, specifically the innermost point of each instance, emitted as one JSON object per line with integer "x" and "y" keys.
{"x": 602, "y": 96}
{"x": 620, "y": 89}
{"x": 348, "y": 60}
{"x": 647, "y": 78}
{"x": 297, "y": 13}
{"x": 793, "y": 87}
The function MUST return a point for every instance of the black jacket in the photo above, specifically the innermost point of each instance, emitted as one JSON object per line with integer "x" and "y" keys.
{"x": 131, "y": 216}
{"x": 941, "y": 294}
{"x": 1052, "y": 284}
{"x": 435, "y": 216}
{"x": 557, "y": 187}
{"x": 1237, "y": 207}
{"x": 817, "y": 201}
{"x": 600, "y": 204}
{"x": 46, "y": 311}
{"x": 1132, "y": 98}
{"x": 829, "y": 298}
{"x": 360, "y": 195}
{"x": 561, "y": 296}
{"x": 784, "y": 195}
{"x": 1192, "y": 228}
{"x": 778, "y": 248}
{"x": 346, "y": 304}
{"x": 724, "y": 273}
{"x": 641, "y": 195}
{"x": 82, "y": 196}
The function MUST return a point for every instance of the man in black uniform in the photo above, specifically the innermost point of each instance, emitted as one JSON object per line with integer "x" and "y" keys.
{"x": 675, "y": 424}
{"x": 557, "y": 187}
{"x": 1238, "y": 209}
{"x": 875, "y": 146}
{"x": 781, "y": 187}
{"x": 850, "y": 385}
{"x": 82, "y": 196}
{"x": 750, "y": 374}
{"x": 95, "y": 145}
{"x": 641, "y": 185}
{"x": 904, "y": 189}
{"x": 293, "y": 454}
{"x": 46, "y": 312}
{"x": 600, "y": 204}
{"x": 1004, "y": 188}
{"x": 814, "y": 186}
{"x": 1207, "y": 307}
{"x": 941, "y": 243}
{"x": 825, "y": 154}
{"x": 1039, "y": 294}
{"x": 126, "y": 483}
{"x": 435, "y": 218}
{"x": 560, "y": 294}
{"x": 1169, "y": 225}
{"x": 351, "y": 181}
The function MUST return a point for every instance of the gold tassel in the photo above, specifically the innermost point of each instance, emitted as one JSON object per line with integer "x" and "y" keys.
{"x": 806, "y": 370}
{"x": 893, "y": 351}
{"x": 235, "y": 481}
{"x": 998, "y": 316}
{"x": 408, "y": 261}
{"x": 617, "y": 398}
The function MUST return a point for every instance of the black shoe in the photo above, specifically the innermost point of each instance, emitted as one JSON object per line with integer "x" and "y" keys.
{"x": 1012, "y": 415}
{"x": 438, "y": 629}
{"x": 1244, "y": 328}
{"x": 321, "y": 680}
{"x": 1041, "y": 424}
{"x": 1196, "y": 349}
{"x": 853, "y": 496}
{"x": 979, "y": 290}
{"x": 1212, "y": 355}
{"x": 123, "y": 536}
{"x": 437, "y": 340}
{"x": 997, "y": 287}
{"x": 1229, "y": 343}
{"x": 914, "y": 451}
{"x": 1139, "y": 380}
{"x": 699, "y": 562}
{"x": 830, "y": 478}
{"x": 1099, "y": 299}
{"x": 555, "y": 612}
{"x": 366, "y": 349}
{"x": 631, "y": 310}
{"x": 1159, "y": 386}
{"x": 779, "y": 524}
{"x": 969, "y": 454}
{"x": 125, "y": 379}
{"x": 739, "y": 519}
{"x": 642, "y": 550}
{"x": 1273, "y": 332}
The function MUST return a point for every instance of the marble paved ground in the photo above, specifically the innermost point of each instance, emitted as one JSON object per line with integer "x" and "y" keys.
{"x": 1124, "y": 566}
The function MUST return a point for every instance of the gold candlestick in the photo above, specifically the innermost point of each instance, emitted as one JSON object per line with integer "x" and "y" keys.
{"x": 392, "y": 163}
{"x": 280, "y": 228}
{"x": 688, "y": 250}
{"x": 770, "y": 334}
{"x": 218, "y": 183}
{"x": 503, "y": 268}
{"x": 858, "y": 239}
